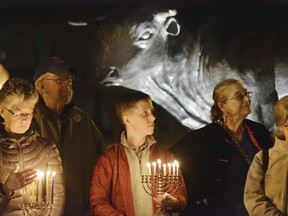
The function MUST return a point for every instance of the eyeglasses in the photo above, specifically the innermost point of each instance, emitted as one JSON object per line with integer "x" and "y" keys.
{"x": 60, "y": 81}
{"x": 20, "y": 115}
{"x": 241, "y": 96}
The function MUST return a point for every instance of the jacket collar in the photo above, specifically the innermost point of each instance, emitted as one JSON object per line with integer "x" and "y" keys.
{"x": 149, "y": 141}
{"x": 282, "y": 145}
{"x": 12, "y": 141}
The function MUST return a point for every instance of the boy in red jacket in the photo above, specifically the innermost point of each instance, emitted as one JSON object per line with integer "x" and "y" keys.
{"x": 116, "y": 187}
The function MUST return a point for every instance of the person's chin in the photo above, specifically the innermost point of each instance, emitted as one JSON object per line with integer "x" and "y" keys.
{"x": 246, "y": 113}
{"x": 247, "y": 109}
{"x": 21, "y": 131}
{"x": 23, "y": 128}
{"x": 150, "y": 132}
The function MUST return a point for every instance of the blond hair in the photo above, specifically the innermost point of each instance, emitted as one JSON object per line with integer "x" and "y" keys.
{"x": 128, "y": 101}
{"x": 281, "y": 115}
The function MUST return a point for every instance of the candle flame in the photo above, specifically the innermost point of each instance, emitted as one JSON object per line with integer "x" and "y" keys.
{"x": 176, "y": 163}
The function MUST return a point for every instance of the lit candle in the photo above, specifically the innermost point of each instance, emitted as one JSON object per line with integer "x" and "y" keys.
{"x": 164, "y": 169}
{"x": 43, "y": 187}
{"x": 159, "y": 166}
{"x": 47, "y": 185}
{"x": 173, "y": 168}
{"x": 154, "y": 167}
{"x": 37, "y": 187}
{"x": 28, "y": 193}
{"x": 40, "y": 187}
{"x": 149, "y": 169}
{"x": 33, "y": 192}
{"x": 169, "y": 169}
{"x": 177, "y": 167}
{"x": 52, "y": 187}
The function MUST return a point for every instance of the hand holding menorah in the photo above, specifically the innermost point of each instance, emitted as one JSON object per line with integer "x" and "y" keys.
{"x": 164, "y": 181}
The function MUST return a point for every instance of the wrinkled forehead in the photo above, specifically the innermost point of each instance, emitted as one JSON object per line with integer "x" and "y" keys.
{"x": 234, "y": 89}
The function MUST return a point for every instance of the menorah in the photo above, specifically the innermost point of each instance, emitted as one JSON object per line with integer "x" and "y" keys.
{"x": 38, "y": 196}
{"x": 161, "y": 181}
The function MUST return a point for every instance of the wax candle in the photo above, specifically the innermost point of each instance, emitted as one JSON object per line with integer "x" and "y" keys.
{"x": 33, "y": 192}
{"x": 159, "y": 166}
{"x": 52, "y": 187}
{"x": 164, "y": 169}
{"x": 169, "y": 169}
{"x": 154, "y": 168}
{"x": 43, "y": 187}
{"x": 173, "y": 169}
{"x": 37, "y": 189}
{"x": 177, "y": 167}
{"x": 47, "y": 186}
{"x": 149, "y": 169}
{"x": 40, "y": 187}
{"x": 27, "y": 191}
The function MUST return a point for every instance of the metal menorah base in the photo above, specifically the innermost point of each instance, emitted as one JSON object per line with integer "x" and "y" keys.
{"x": 162, "y": 184}
{"x": 36, "y": 209}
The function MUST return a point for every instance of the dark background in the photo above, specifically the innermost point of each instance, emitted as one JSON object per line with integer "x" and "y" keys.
{"x": 31, "y": 30}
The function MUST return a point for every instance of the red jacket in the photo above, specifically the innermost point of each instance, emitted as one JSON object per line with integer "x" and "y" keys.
{"x": 111, "y": 193}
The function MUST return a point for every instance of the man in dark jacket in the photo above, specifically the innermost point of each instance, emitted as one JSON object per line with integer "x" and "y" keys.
{"x": 72, "y": 129}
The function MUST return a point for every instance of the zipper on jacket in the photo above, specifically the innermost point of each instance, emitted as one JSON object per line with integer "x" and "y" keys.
{"x": 21, "y": 161}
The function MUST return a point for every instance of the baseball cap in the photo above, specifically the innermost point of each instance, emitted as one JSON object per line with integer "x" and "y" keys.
{"x": 53, "y": 65}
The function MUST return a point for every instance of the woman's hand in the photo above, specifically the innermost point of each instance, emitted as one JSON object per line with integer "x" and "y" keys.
{"x": 17, "y": 180}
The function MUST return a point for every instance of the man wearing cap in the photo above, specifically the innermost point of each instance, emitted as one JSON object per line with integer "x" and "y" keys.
{"x": 72, "y": 129}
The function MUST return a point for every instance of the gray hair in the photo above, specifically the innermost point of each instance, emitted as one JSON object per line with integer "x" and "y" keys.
{"x": 17, "y": 90}
{"x": 220, "y": 94}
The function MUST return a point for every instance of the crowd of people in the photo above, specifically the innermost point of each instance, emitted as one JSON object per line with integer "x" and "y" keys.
{"x": 230, "y": 167}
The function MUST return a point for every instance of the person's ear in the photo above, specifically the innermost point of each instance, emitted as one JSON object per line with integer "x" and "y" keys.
{"x": 40, "y": 86}
{"x": 221, "y": 106}
{"x": 126, "y": 119}
{"x": 1, "y": 111}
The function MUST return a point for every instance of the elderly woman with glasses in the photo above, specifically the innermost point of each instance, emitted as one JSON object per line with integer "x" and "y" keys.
{"x": 215, "y": 159}
{"x": 30, "y": 166}
{"x": 266, "y": 184}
